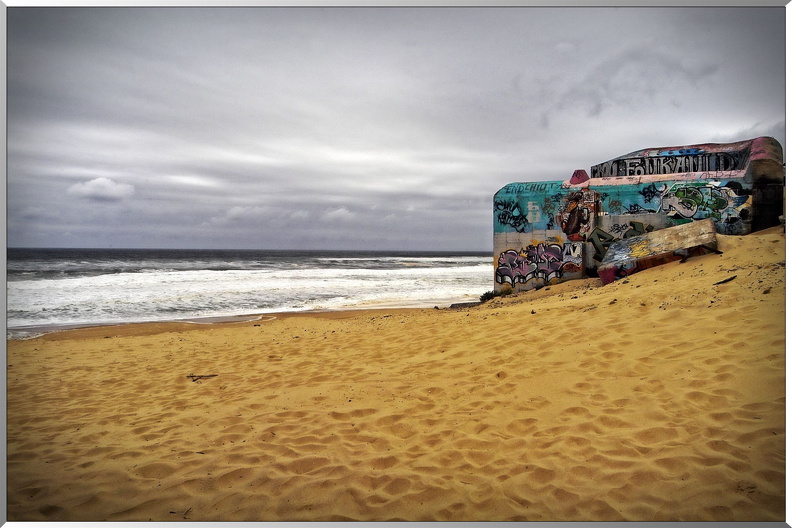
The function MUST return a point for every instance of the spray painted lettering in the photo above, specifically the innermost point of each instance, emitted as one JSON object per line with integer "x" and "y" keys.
{"x": 526, "y": 187}
{"x": 521, "y": 218}
{"x": 671, "y": 162}
{"x": 700, "y": 201}
{"x": 650, "y": 192}
{"x": 543, "y": 262}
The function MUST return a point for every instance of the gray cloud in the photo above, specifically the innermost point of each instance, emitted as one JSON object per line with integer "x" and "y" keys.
{"x": 353, "y": 127}
{"x": 635, "y": 76}
{"x": 102, "y": 190}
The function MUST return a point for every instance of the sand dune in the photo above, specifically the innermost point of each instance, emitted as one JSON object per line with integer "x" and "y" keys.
{"x": 655, "y": 398}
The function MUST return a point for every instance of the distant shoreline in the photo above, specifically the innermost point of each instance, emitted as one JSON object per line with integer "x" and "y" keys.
{"x": 34, "y": 331}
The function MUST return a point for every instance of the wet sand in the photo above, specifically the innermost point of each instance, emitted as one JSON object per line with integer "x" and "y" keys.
{"x": 656, "y": 398}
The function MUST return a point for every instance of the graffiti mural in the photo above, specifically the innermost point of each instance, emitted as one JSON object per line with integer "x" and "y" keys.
{"x": 508, "y": 213}
{"x": 601, "y": 240}
{"x": 687, "y": 201}
{"x": 521, "y": 217}
{"x": 650, "y": 192}
{"x": 550, "y": 230}
{"x": 543, "y": 262}
{"x": 577, "y": 214}
{"x": 572, "y": 212}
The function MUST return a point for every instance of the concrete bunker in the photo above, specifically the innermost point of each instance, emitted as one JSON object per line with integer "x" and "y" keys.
{"x": 553, "y": 231}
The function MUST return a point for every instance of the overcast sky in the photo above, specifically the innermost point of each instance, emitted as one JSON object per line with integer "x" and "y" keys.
{"x": 353, "y": 128}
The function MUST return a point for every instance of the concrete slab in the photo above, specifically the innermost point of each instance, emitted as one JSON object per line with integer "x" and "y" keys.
{"x": 630, "y": 255}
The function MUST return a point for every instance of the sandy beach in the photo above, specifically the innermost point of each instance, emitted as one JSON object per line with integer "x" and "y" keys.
{"x": 660, "y": 397}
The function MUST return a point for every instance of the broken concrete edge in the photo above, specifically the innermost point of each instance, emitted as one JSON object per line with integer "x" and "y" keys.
{"x": 625, "y": 268}
{"x": 678, "y": 243}
{"x": 465, "y": 305}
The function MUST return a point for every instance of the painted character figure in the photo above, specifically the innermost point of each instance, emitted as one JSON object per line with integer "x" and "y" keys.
{"x": 575, "y": 217}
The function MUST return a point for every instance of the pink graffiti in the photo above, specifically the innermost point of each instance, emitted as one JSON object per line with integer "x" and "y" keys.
{"x": 543, "y": 261}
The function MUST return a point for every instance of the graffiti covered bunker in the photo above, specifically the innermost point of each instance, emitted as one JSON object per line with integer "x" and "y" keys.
{"x": 553, "y": 231}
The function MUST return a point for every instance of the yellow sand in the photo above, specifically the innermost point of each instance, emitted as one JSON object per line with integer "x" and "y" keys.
{"x": 659, "y": 397}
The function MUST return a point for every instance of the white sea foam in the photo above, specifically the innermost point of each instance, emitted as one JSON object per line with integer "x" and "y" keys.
{"x": 158, "y": 293}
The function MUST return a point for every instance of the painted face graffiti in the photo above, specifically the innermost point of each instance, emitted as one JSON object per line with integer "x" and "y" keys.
{"x": 577, "y": 214}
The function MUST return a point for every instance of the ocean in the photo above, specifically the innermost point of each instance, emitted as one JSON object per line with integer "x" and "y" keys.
{"x": 51, "y": 289}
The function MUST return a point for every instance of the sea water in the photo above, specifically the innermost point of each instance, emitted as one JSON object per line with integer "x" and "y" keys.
{"x": 49, "y": 289}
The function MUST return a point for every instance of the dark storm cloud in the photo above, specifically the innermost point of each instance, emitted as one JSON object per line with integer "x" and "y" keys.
{"x": 353, "y": 127}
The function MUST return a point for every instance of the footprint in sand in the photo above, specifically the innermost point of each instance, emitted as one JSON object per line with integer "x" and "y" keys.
{"x": 51, "y": 511}
{"x": 306, "y": 464}
{"x": 654, "y": 435}
{"x": 572, "y": 413}
{"x": 156, "y": 470}
{"x": 397, "y": 486}
{"x": 522, "y": 426}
